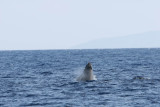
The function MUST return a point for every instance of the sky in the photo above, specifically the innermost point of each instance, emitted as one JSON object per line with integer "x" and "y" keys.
{"x": 62, "y": 24}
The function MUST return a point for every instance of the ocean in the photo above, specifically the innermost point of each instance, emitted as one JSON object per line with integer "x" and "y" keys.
{"x": 47, "y": 78}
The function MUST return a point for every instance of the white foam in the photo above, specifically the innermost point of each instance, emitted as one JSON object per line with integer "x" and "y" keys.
{"x": 83, "y": 76}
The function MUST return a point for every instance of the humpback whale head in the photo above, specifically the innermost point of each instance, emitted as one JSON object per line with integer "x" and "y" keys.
{"x": 88, "y": 66}
{"x": 87, "y": 74}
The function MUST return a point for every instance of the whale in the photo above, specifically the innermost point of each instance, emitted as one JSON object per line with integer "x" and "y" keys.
{"x": 140, "y": 78}
{"x": 87, "y": 74}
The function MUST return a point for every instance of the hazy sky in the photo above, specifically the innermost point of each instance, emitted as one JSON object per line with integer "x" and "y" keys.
{"x": 61, "y": 24}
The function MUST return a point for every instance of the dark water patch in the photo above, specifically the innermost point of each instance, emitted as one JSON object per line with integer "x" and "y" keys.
{"x": 127, "y": 95}
{"x": 73, "y": 83}
{"x": 27, "y": 77}
{"x": 103, "y": 93}
{"x": 90, "y": 80}
{"x": 7, "y": 77}
{"x": 1, "y": 104}
{"x": 46, "y": 73}
{"x": 91, "y": 87}
{"x": 31, "y": 95}
{"x": 61, "y": 98}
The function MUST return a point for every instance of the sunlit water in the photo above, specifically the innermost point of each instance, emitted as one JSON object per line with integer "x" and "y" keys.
{"x": 125, "y": 77}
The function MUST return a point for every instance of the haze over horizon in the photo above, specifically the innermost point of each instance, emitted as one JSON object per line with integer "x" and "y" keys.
{"x": 61, "y": 24}
{"x": 142, "y": 40}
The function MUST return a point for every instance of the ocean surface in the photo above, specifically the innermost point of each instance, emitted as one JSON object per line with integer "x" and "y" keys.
{"x": 47, "y": 78}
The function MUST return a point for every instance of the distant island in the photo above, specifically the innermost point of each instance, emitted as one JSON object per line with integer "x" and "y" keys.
{"x": 144, "y": 40}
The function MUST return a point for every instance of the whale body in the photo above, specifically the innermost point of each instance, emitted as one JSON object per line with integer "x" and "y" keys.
{"x": 87, "y": 74}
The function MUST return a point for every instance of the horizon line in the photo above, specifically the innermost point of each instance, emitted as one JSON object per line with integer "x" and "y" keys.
{"x": 78, "y": 49}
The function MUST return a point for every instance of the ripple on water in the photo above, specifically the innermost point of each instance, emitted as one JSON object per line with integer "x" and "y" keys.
{"x": 46, "y": 78}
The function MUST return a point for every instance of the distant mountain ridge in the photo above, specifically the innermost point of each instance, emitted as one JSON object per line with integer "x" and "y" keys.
{"x": 143, "y": 40}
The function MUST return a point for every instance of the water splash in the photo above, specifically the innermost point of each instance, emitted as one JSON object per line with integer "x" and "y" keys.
{"x": 83, "y": 76}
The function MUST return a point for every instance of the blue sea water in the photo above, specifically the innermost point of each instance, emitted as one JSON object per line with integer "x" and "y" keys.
{"x": 47, "y": 78}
